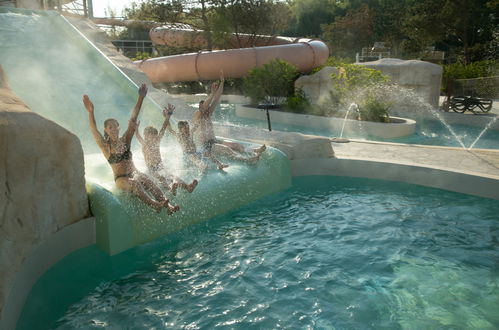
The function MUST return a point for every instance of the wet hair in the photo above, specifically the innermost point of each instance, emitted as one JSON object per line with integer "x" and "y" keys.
{"x": 183, "y": 123}
{"x": 106, "y": 123}
{"x": 201, "y": 102}
{"x": 150, "y": 130}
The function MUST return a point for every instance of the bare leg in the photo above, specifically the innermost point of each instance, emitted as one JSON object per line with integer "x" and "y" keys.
{"x": 165, "y": 183}
{"x": 156, "y": 192}
{"x": 223, "y": 150}
{"x": 260, "y": 149}
{"x": 220, "y": 165}
{"x": 137, "y": 189}
{"x": 234, "y": 146}
{"x": 151, "y": 187}
{"x": 174, "y": 188}
{"x": 189, "y": 187}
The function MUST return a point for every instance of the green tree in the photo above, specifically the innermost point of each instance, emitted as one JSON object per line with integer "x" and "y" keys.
{"x": 348, "y": 34}
{"x": 463, "y": 27}
{"x": 272, "y": 83}
{"x": 253, "y": 17}
{"x": 308, "y": 16}
{"x": 218, "y": 19}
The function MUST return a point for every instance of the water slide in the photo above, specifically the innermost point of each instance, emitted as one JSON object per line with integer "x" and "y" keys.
{"x": 305, "y": 54}
{"x": 50, "y": 64}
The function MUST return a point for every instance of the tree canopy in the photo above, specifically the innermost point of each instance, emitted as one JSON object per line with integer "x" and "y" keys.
{"x": 467, "y": 30}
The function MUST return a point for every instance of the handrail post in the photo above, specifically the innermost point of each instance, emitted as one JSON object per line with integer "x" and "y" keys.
{"x": 268, "y": 119}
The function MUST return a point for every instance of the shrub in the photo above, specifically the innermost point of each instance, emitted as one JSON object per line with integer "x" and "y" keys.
{"x": 352, "y": 77}
{"x": 365, "y": 86}
{"x": 333, "y": 62}
{"x": 297, "y": 102}
{"x": 139, "y": 56}
{"x": 373, "y": 108}
{"x": 272, "y": 83}
{"x": 473, "y": 70}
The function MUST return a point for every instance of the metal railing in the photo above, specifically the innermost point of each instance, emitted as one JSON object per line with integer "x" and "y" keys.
{"x": 130, "y": 48}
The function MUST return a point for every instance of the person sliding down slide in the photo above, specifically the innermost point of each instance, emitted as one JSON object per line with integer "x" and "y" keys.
{"x": 189, "y": 148}
{"x": 152, "y": 155}
{"x": 116, "y": 149}
{"x": 203, "y": 130}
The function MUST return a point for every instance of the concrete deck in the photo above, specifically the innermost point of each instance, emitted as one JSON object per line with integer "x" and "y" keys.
{"x": 474, "y": 172}
{"x": 474, "y": 161}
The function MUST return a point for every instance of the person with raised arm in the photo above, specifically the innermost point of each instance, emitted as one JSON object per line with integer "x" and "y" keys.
{"x": 189, "y": 149}
{"x": 117, "y": 151}
{"x": 203, "y": 129}
{"x": 150, "y": 148}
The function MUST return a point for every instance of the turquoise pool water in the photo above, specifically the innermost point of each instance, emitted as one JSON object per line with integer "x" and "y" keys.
{"x": 328, "y": 253}
{"x": 428, "y": 131}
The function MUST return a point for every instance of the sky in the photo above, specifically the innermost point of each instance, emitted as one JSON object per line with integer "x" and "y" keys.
{"x": 100, "y": 6}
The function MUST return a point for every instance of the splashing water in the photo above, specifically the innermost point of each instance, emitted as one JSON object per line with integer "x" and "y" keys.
{"x": 491, "y": 122}
{"x": 408, "y": 100}
{"x": 353, "y": 105}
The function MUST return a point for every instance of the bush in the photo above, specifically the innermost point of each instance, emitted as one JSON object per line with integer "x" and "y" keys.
{"x": 373, "y": 108}
{"x": 139, "y": 56}
{"x": 297, "y": 102}
{"x": 333, "y": 62}
{"x": 462, "y": 71}
{"x": 352, "y": 77}
{"x": 272, "y": 83}
{"x": 364, "y": 86}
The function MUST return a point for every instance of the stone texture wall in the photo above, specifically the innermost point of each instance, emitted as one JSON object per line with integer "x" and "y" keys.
{"x": 424, "y": 78}
{"x": 318, "y": 86}
{"x": 42, "y": 184}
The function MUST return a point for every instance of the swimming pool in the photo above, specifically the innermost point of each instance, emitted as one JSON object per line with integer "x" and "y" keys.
{"x": 330, "y": 252}
{"x": 429, "y": 131}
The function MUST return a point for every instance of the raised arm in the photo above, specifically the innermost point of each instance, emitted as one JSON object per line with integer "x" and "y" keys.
{"x": 195, "y": 121}
{"x": 137, "y": 134}
{"x": 99, "y": 139}
{"x": 167, "y": 122}
{"x": 167, "y": 113}
{"x": 132, "y": 123}
{"x": 217, "y": 94}
{"x": 211, "y": 95}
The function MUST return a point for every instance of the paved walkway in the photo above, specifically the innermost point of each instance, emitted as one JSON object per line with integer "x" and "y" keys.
{"x": 482, "y": 162}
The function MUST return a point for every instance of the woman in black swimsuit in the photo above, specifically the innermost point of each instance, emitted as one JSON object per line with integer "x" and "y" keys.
{"x": 116, "y": 149}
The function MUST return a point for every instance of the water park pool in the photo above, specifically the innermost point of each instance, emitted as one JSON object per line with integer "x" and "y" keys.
{"x": 330, "y": 252}
{"x": 429, "y": 131}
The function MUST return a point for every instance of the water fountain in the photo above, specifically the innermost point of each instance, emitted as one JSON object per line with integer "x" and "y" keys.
{"x": 408, "y": 103}
{"x": 356, "y": 107}
{"x": 487, "y": 127}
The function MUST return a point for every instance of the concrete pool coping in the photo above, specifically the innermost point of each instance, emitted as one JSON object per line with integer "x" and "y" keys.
{"x": 474, "y": 172}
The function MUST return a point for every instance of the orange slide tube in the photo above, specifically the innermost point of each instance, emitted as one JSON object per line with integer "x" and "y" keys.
{"x": 186, "y": 36}
{"x": 305, "y": 54}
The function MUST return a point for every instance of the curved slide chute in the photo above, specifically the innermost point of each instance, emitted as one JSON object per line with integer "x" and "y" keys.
{"x": 305, "y": 54}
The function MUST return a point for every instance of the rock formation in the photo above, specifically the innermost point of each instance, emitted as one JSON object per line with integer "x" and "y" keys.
{"x": 424, "y": 78}
{"x": 42, "y": 184}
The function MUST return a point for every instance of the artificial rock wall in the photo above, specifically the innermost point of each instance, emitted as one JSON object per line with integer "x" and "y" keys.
{"x": 42, "y": 184}
{"x": 422, "y": 78}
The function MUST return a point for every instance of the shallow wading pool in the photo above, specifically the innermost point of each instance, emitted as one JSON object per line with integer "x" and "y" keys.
{"x": 429, "y": 131}
{"x": 329, "y": 252}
